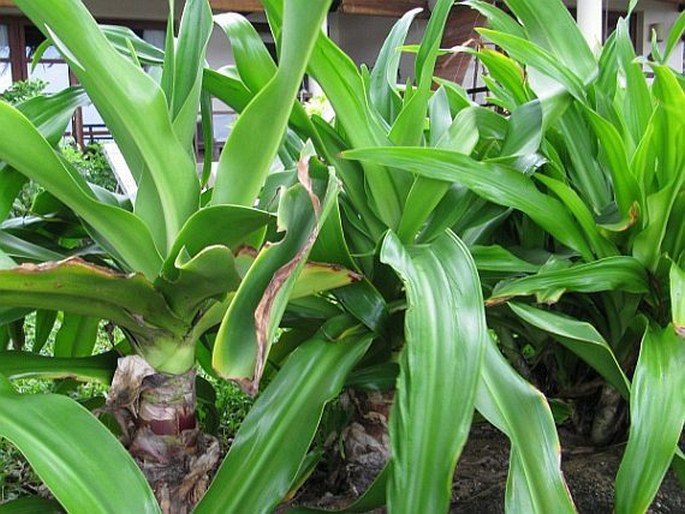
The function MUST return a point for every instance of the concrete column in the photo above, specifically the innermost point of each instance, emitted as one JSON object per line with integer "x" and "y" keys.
{"x": 590, "y": 21}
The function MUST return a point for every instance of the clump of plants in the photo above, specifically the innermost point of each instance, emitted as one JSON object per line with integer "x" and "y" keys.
{"x": 91, "y": 162}
{"x": 405, "y": 247}
{"x": 22, "y": 90}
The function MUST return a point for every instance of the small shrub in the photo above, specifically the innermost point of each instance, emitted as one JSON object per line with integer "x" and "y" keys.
{"x": 23, "y": 90}
{"x": 92, "y": 164}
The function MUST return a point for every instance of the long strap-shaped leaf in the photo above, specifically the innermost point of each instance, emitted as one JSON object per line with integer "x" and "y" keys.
{"x": 344, "y": 86}
{"x": 132, "y": 105}
{"x": 98, "y": 368}
{"x": 101, "y": 477}
{"x": 27, "y": 151}
{"x": 499, "y": 184}
{"x": 581, "y": 338}
{"x": 612, "y": 273}
{"x": 189, "y": 61}
{"x": 657, "y": 414}
{"x": 274, "y": 437}
{"x": 256, "y": 68}
{"x": 76, "y": 286}
{"x": 677, "y": 283}
{"x": 408, "y": 127}
{"x": 31, "y": 505}
{"x": 445, "y": 336}
{"x": 383, "y": 94}
{"x": 536, "y": 484}
{"x": 554, "y": 29}
{"x": 256, "y": 137}
{"x": 246, "y": 332}
{"x": 50, "y": 115}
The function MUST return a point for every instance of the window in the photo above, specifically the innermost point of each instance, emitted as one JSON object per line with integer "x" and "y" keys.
{"x": 5, "y": 63}
{"x": 19, "y": 41}
{"x": 51, "y": 68}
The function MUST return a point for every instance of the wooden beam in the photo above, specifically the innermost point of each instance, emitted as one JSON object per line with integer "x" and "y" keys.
{"x": 236, "y": 5}
{"x": 394, "y": 8}
{"x": 6, "y": 3}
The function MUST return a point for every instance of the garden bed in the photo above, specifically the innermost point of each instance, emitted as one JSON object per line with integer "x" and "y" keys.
{"x": 481, "y": 478}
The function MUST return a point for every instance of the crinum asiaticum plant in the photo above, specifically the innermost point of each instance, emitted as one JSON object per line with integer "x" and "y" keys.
{"x": 183, "y": 270}
{"x": 420, "y": 296}
{"x": 545, "y": 197}
{"x": 592, "y": 223}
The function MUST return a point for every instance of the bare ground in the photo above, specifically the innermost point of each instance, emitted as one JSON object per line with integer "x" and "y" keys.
{"x": 481, "y": 476}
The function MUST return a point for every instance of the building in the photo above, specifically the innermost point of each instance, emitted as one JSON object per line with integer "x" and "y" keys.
{"x": 358, "y": 26}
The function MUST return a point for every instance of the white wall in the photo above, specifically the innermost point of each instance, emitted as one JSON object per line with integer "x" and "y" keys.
{"x": 361, "y": 37}
{"x": 660, "y": 13}
{"x": 649, "y": 12}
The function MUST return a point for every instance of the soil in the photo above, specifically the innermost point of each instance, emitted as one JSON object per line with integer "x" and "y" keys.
{"x": 481, "y": 476}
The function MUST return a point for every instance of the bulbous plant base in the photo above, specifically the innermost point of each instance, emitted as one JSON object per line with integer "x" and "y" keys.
{"x": 157, "y": 415}
{"x": 365, "y": 439}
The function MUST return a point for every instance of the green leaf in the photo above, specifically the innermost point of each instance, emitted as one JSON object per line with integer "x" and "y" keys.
{"x": 383, "y": 95}
{"x": 243, "y": 166}
{"x": 554, "y": 29}
{"x": 637, "y": 100}
{"x": 532, "y": 55}
{"x": 352, "y": 176}
{"x": 344, "y": 87}
{"x": 28, "y": 152}
{"x": 678, "y": 465}
{"x": 408, "y": 127}
{"x": 497, "y": 18}
{"x": 601, "y": 246}
{"x": 206, "y": 108}
{"x": 11, "y": 182}
{"x": 677, "y": 282}
{"x": 248, "y": 328}
{"x": 225, "y": 225}
{"x": 524, "y": 134}
{"x": 253, "y": 61}
{"x": 101, "y": 477}
{"x": 674, "y": 37}
{"x": 51, "y": 115}
{"x": 274, "y": 438}
{"x": 506, "y": 400}
{"x": 495, "y": 182}
{"x": 317, "y": 277}
{"x": 45, "y": 320}
{"x": 123, "y": 38}
{"x": 97, "y": 368}
{"x": 445, "y": 333}
{"x": 461, "y": 135}
{"x": 657, "y": 414}
{"x": 24, "y": 250}
{"x": 134, "y": 109}
{"x": 230, "y": 90}
{"x": 211, "y": 273}
{"x": 31, "y": 505}
{"x": 625, "y": 186}
{"x": 189, "y": 62}
{"x": 507, "y": 72}
{"x": 75, "y": 286}
{"x": 610, "y": 274}
{"x": 76, "y": 336}
{"x": 496, "y": 258}
{"x": 581, "y": 338}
